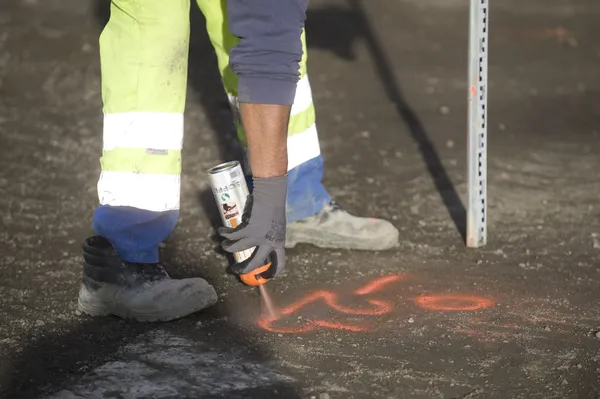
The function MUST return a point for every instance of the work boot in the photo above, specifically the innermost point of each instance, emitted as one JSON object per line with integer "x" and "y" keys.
{"x": 139, "y": 291}
{"x": 333, "y": 227}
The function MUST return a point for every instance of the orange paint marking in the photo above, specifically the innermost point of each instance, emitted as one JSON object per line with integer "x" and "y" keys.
{"x": 453, "y": 302}
{"x": 330, "y": 299}
{"x": 378, "y": 284}
{"x": 559, "y": 33}
{"x": 377, "y": 308}
{"x": 373, "y": 307}
{"x": 309, "y": 325}
{"x": 473, "y": 90}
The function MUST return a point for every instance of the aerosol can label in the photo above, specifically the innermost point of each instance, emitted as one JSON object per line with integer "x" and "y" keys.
{"x": 230, "y": 191}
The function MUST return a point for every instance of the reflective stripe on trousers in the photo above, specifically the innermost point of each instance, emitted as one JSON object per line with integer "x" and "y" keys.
{"x": 144, "y": 61}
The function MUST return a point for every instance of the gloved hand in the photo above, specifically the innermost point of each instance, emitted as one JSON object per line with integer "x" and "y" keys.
{"x": 263, "y": 226}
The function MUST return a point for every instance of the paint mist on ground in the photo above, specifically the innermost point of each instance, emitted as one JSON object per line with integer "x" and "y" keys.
{"x": 268, "y": 307}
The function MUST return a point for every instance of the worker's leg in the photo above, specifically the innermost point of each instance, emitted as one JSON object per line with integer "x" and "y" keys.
{"x": 143, "y": 52}
{"x": 312, "y": 217}
{"x": 144, "y": 56}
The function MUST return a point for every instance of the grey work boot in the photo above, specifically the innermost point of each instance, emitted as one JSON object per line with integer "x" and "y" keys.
{"x": 143, "y": 292}
{"x": 333, "y": 227}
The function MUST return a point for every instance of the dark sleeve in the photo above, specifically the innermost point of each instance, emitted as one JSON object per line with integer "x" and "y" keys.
{"x": 267, "y": 58}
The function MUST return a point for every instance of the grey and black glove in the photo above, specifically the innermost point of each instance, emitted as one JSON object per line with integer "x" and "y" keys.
{"x": 263, "y": 226}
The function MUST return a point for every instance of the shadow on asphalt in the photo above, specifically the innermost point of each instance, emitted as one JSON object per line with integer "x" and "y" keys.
{"x": 385, "y": 70}
{"x": 47, "y": 363}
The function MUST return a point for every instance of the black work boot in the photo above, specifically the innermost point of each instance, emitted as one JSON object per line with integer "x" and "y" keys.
{"x": 143, "y": 292}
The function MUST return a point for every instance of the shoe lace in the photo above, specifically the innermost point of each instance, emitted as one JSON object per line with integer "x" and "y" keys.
{"x": 335, "y": 206}
{"x": 153, "y": 271}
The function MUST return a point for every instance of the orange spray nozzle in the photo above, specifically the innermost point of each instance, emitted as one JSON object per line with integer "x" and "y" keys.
{"x": 255, "y": 278}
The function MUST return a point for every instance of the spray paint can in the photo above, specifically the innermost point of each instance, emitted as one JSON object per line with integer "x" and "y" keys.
{"x": 231, "y": 191}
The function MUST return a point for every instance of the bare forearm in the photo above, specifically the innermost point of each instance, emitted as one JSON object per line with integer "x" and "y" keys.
{"x": 266, "y": 60}
{"x": 266, "y": 133}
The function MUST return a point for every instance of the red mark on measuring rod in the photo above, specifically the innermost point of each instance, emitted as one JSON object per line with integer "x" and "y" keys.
{"x": 453, "y": 302}
{"x": 377, "y": 308}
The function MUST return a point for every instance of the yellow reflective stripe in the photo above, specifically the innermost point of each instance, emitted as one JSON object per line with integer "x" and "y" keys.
{"x": 304, "y": 54}
{"x": 302, "y": 121}
{"x": 141, "y": 160}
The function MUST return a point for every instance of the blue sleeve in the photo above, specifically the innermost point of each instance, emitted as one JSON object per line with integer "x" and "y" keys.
{"x": 267, "y": 58}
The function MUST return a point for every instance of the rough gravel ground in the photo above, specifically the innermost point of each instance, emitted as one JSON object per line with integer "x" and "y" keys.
{"x": 536, "y": 282}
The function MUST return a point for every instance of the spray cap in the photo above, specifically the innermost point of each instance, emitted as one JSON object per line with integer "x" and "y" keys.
{"x": 255, "y": 277}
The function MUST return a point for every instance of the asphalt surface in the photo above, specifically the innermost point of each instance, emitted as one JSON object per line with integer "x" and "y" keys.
{"x": 432, "y": 319}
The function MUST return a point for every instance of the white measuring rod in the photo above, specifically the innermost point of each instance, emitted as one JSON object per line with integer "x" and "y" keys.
{"x": 477, "y": 124}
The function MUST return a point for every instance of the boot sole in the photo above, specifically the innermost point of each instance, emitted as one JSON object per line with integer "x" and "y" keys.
{"x": 338, "y": 242}
{"x": 96, "y": 311}
{"x": 99, "y": 308}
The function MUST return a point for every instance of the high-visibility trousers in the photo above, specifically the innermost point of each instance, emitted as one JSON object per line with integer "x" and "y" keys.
{"x": 144, "y": 61}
